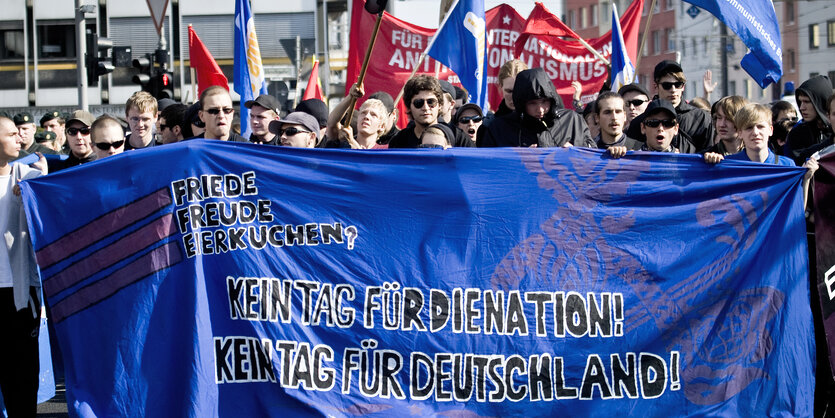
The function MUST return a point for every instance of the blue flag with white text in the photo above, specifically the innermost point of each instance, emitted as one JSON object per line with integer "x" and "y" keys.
{"x": 755, "y": 22}
{"x": 248, "y": 76}
{"x": 623, "y": 71}
{"x": 461, "y": 44}
{"x": 252, "y": 280}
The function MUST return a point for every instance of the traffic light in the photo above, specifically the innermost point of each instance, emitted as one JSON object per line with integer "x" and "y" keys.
{"x": 97, "y": 61}
{"x": 145, "y": 65}
{"x": 162, "y": 85}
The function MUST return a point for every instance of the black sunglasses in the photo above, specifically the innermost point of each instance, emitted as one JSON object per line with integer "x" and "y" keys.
{"x": 653, "y": 123}
{"x": 217, "y": 110}
{"x": 669, "y": 84}
{"x": 104, "y": 146}
{"x": 636, "y": 102}
{"x": 75, "y": 131}
{"x": 418, "y": 103}
{"x": 292, "y": 131}
{"x": 468, "y": 119}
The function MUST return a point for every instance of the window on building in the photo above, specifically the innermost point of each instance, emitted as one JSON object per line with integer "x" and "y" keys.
{"x": 704, "y": 45}
{"x": 571, "y": 22}
{"x": 56, "y": 39}
{"x": 656, "y": 42}
{"x": 814, "y": 36}
{"x": 830, "y": 33}
{"x": 791, "y": 59}
{"x": 832, "y": 78}
{"x": 789, "y": 12}
{"x": 657, "y": 7}
{"x": 747, "y": 86}
{"x": 732, "y": 88}
{"x": 12, "y": 46}
{"x": 694, "y": 44}
{"x": 594, "y": 15}
{"x": 671, "y": 42}
{"x": 670, "y": 4}
{"x": 584, "y": 18}
{"x": 683, "y": 47}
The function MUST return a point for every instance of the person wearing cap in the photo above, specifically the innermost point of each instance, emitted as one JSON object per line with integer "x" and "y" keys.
{"x": 297, "y": 129}
{"x": 694, "y": 124}
{"x": 53, "y": 121}
{"x": 20, "y": 301}
{"x": 46, "y": 139}
{"x": 107, "y": 136}
{"x": 217, "y": 113}
{"x": 610, "y": 116}
{"x": 540, "y": 119}
{"x": 319, "y": 110}
{"x": 468, "y": 119}
{"x": 635, "y": 98}
{"x": 26, "y": 128}
{"x": 141, "y": 114}
{"x": 659, "y": 125}
{"x": 78, "y": 138}
{"x": 170, "y": 123}
{"x": 263, "y": 110}
{"x": 192, "y": 126}
{"x": 448, "y": 103}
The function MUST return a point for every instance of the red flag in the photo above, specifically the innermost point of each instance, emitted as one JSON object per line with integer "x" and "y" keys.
{"x": 208, "y": 72}
{"x": 504, "y": 25}
{"x": 314, "y": 87}
{"x": 542, "y": 22}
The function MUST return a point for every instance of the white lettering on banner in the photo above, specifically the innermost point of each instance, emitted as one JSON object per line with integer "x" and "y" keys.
{"x": 829, "y": 280}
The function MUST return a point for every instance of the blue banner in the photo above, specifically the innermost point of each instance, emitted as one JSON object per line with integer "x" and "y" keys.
{"x": 755, "y": 22}
{"x": 248, "y": 280}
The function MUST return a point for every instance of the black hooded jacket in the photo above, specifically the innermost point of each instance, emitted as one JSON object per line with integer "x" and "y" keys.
{"x": 808, "y": 137}
{"x": 517, "y": 129}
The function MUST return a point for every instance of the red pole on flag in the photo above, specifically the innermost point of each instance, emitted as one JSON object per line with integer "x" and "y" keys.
{"x": 374, "y": 7}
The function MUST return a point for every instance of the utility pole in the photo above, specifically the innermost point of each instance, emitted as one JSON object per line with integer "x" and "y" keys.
{"x": 81, "y": 45}
{"x": 723, "y": 34}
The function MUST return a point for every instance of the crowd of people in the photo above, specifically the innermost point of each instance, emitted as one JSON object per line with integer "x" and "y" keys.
{"x": 531, "y": 114}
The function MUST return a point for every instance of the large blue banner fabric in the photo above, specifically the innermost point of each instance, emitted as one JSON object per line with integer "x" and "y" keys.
{"x": 217, "y": 279}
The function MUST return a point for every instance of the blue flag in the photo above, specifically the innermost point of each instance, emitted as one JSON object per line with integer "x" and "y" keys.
{"x": 248, "y": 77}
{"x": 755, "y": 22}
{"x": 250, "y": 280}
{"x": 623, "y": 71}
{"x": 461, "y": 44}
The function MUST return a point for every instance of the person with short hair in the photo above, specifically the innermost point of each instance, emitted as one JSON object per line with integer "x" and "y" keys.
{"x": 448, "y": 102}
{"x": 217, "y": 114}
{"x": 170, "y": 123}
{"x": 695, "y": 128}
{"x": 659, "y": 125}
{"x": 107, "y": 136}
{"x": 192, "y": 126}
{"x": 262, "y": 110}
{"x": 461, "y": 98}
{"x": 539, "y": 120}
{"x": 297, "y": 129}
{"x": 610, "y": 116}
{"x": 727, "y": 138}
{"x": 25, "y": 124}
{"x": 20, "y": 304}
{"x": 815, "y": 131}
{"x": 370, "y": 125}
{"x": 78, "y": 138}
{"x": 53, "y": 121}
{"x": 635, "y": 98}
{"x": 319, "y": 110}
{"x": 423, "y": 97}
{"x": 141, "y": 114}
{"x": 781, "y": 110}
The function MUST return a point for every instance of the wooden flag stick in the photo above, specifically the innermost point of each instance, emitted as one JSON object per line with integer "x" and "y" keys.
{"x": 350, "y": 114}
{"x": 643, "y": 39}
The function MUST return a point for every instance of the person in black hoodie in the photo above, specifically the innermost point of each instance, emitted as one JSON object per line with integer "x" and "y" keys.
{"x": 540, "y": 119}
{"x": 815, "y": 132}
{"x": 695, "y": 127}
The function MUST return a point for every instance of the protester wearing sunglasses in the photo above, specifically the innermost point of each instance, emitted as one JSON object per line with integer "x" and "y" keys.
{"x": 469, "y": 118}
{"x": 659, "y": 125}
{"x": 297, "y": 129}
{"x": 108, "y": 136}
{"x": 635, "y": 99}
{"x": 423, "y": 96}
{"x": 78, "y": 138}
{"x": 217, "y": 114}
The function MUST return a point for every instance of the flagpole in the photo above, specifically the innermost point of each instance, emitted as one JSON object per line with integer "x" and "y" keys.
{"x": 361, "y": 79}
{"x": 425, "y": 51}
{"x": 643, "y": 38}
{"x": 594, "y": 51}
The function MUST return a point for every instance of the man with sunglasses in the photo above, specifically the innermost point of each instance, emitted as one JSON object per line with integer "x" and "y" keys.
{"x": 217, "y": 114}
{"x": 423, "y": 97}
{"x": 695, "y": 127}
{"x": 635, "y": 98}
{"x": 108, "y": 136}
{"x": 659, "y": 125}
{"x": 539, "y": 118}
{"x": 78, "y": 138}
{"x": 297, "y": 129}
{"x": 469, "y": 118}
{"x": 170, "y": 123}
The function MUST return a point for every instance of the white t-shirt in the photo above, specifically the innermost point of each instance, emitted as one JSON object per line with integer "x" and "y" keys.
{"x": 6, "y": 197}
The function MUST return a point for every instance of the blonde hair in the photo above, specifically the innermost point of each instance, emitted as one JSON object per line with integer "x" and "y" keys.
{"x": 729, "y": 106}
{"x": 750, "y": 114}
{"x": 511, "y": 69}
{"x": 142, "y": 101}
{"x": 380, "y": 107}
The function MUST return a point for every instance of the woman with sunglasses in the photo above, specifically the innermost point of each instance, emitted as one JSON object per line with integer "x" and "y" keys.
{"x": 468, "y": 118}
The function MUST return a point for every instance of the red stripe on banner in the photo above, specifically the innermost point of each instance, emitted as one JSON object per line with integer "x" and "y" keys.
{"x": 101, "y": 227}
{"x": 158, "y": 259}
{"x": 105, "y": 257}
